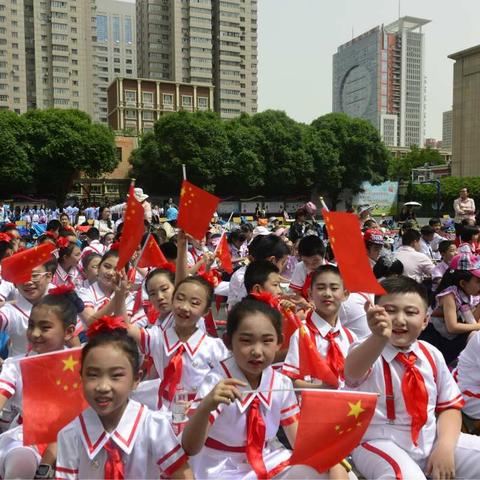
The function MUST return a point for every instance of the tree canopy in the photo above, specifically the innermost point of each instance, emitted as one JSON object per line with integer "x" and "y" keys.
{"x": 400, "y": 168}
{"x": 267, "y": 153}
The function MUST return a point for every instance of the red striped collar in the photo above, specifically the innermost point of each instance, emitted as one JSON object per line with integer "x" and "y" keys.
{"x": 192, "y": 345}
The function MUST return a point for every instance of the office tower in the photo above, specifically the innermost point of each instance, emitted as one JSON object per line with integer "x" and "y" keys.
{"x": 116, "y": 52}
{"x": 379, "y": 76}
{"x": 447, "y": 130}
{"x": 13, "y": 94}
{"x": 202, "y": 42}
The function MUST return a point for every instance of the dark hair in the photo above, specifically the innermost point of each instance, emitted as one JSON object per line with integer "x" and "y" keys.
{"x": 64, "y": 215}
{"x": 65, "y": 252}
{"x": 444, "y": 245}
{"x": 450, "y": 278}
{"x": 117, "y": 338}
{"x": 236, "y": 236}
{"x": 409, "y": 236}
{"x": 403, "y": 285}
{"x": 93, "y": 233}
{"x": 325, "y": 269}
{"x": 267, "y": 246}
{"x": 159, "y": 271}
{"x": 311, "y": 245}
{"x": 107, "y": 255}
{"x": 51, "y": 266}
{"x": 427, "y": 230}
{"x": 153, "y": 234}
{"x": 434, "y": 221}
{"x": 4, "y": 246}
{"x": 199, "y": 281}
{"x": 66, "y": 306}
{"x": 246, "y": 228}
{"x": 369, "y": 223}
{"x": 169, "y": 249}
{"x": 257, "y": 273}
{"x": 385, "y": 266}
{"x": 54, "y": 225}
{"x": 249, "y": 306}
{"x": 100, "y": 211}
{"x": 9, "y": 227}
{"x": 88, "y": 258}
{"x": 467, "y": 232}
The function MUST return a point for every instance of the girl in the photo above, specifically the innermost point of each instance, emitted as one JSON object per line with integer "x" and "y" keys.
{"x": 232, "y": 432}
{"x": 116, "y": 437}
{"x": 97, "y": 298}
{"x": 104, "y": 222}
{"x": 468, "y": 239}
{"x": 90, "y": 263}
{"x": 51, "y": 325}
{"x": 108, "y": 239}
{"x": 68, "y": 259}
{"x": 7, "y": 289}
{"x": 453, "y": 315}
{"x": 182, "y": 354}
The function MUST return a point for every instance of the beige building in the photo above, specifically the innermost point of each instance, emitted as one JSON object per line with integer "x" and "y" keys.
{"x": 135, "y": 104}
{"x": 116, "y": 49}
{"x": 466, "y": 113}
{"x": 13, "y": 94}
{"x": 447, "y": 128}
{"x": 202, "y": 42}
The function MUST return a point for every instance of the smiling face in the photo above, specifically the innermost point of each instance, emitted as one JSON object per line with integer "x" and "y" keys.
{"x": 45, "y": 331}
{"x": 108, "y": 379}
{"x": 327, "y": 293}
{"x": 189, "y": 304}
{"x": 254, "y": 345}
{"x": 106, "y": 273}
{"x": 36, "y": 288}
{"x": 408, "y": 313}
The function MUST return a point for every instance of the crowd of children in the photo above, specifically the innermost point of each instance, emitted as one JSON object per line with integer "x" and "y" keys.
{"x": 174, "y": 392}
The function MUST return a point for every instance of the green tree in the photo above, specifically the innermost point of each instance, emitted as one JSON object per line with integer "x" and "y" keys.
{"x": 400, "y": 168}
{"x": 64, "y": 143}
{"x": 198, "y": 140}
{"x": 15, "y": 166}
{"x": 362, "y": 156}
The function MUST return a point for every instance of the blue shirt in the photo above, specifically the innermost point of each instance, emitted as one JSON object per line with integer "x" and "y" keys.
{"x": 171, "y": 214}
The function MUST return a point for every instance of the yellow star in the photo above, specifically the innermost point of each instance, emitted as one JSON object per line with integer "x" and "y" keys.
{"x": 337, "y": 427}
{"x": 355, "y": 409}
{"x": 75, "y": 385}
{"x": 182, "y": 191}
{"x": 330, "y": 227}
{"x": 332, "y": 239}
{"x": 58, "y": 382}
{"x": 65, "y": 387}
{"x": 69, "y": 363}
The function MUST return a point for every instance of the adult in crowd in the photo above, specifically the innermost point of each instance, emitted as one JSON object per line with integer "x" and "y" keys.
{"x": 464, "y": 207}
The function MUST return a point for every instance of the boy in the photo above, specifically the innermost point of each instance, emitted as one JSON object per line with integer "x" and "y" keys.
{"x": 374, "y": 243}
{"x": 415, "y": 430}
{"x": 447, "y": 250}
{"x": 312, "y": 255}
{"x": 426, "y": 242}
{"x": 330, "y": 337}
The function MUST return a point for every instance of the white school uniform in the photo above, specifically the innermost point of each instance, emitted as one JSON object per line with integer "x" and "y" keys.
{"x": 141, "y": 320}
{"x": 146, "y": 441}
{"x": 201, "y": 353}
{"x": 94, "y": 297}
{"x": 387, "y": 448}
{"x": 14, "y": 320}
{"x": 228, "y": 424}
{"x": 299, "y": 276}
{"x": 291, "y": 365}
{"x": 467, "y": 375}
{"x": 353, "y": 316}
{"x": 7, "y": 290}
{"x": 94, "y": 247}
{"x": 62, "y": 277}
{"x": 236, "y": 287}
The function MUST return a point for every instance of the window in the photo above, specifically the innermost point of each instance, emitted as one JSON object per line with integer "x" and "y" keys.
{"x": 131, "y": 114}
{"x": 167, "y": 99}
{"x": 148, "y": 115}
{"x": 116, "y": 29}
{"x": 128, "y": 30}
{"x": 147, "y": 97}
{"x": 186, "y": 101}
{"x": 130, "y": 96}
{"x": 202, "y": 103}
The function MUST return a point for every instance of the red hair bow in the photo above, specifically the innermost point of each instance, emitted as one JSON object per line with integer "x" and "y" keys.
{"x": 115, "y": 246}
{"x": 266, "y": 297}
{"x": 213, "y": 277}
{"x": 63, "y": 242}
{"x": 106, "y": 324}
{"x": 50, "y": 234}
{"x": 10, "y": 226}
{"x": 5, "y": 237}
{"x": 62, "y": 289}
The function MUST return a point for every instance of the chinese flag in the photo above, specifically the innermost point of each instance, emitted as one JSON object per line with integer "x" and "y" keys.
{"x": 340, "y": 417}
{"x": 311, "y": 363}
{"x": 18, "y": 268}
{"x": 290, "y": 324}
{"x": 224, "y": 255}
{"x": 350, "y": 252}
{"x": 133, "y": 229}
{"x": 152, "y": 256}
{"x": 52, "y": 394}
{"x": 196, "y": 209}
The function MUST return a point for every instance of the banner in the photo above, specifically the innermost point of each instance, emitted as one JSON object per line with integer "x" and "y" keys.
{"x": 383, "y": 197}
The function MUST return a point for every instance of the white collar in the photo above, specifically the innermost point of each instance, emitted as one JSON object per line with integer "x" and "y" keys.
{"x": 98, "y": 293}
{"x": 172, "y": 342}
{"x": 323, "y": 326}
{"x": 23, "y": 305}
{"x": 390, "y": 352}
{"x": 94, "y": 435}
{"x": 263, "y": 392}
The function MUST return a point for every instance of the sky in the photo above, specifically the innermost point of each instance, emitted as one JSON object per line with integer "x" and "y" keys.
{"x": 297, "y": 38}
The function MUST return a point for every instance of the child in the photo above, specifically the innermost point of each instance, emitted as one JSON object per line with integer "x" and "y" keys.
{"x": 7, "y": 289}
{"x": 453, "y": 315}
{"x": 447, "y": 250}
{"x": 97, "y": 298}
{"x": 116, "y": 437}
{"x": 14, "y": 316}
{"x": 93, "y": 240}
{"x": 374, "y": 243}
{"x": 68, "y": 258}
{"x": 90, "y": 264}
{"x": 331, "y": 338}
{"x": 232, "y": 434}
{"x": 312, "y": 254}
{"x": 415, "y": 430}
{"x": 468, "y": 239}
{"x": 182, "y": 354}
{"x": 51, "y": 325}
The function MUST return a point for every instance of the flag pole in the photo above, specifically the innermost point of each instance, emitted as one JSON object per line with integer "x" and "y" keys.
{"x": 135, "y": 263}
{"x": 184, "y": 171}
{"x": 324, "y": 205}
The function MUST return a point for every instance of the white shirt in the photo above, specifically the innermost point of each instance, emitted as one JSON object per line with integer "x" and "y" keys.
{"x": 442, "y": 395}
{"x": 201, "y": 353}
{"x": 148, "y": 446}
{"x": 62, "y": 277}
{"x": 94, "y": 297}
{"x": 352, "y": 314}
{"x": 416, "y": 265}
{"x": 236, "y": 287}
{"x": 299, "y": 276}
{"x": 7, "y": 290}
{"x": 96, "y": 247}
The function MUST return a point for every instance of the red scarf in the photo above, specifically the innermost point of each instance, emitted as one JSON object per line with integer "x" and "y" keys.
{"x": 171, "y": 376}
{"x": 113, "y": 466}
{"x": 256, "y": 439}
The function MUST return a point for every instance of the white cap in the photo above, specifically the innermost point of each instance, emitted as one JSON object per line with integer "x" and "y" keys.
{"x": 139, "y": 195}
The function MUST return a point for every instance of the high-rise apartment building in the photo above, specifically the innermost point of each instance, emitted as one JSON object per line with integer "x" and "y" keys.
{"x": 116, "y": 49}
{"x": 379, "y": 76}
{"x": 202, "y": 42}
{"x": 447, "y": 130}
{"x": 13, "y": 93}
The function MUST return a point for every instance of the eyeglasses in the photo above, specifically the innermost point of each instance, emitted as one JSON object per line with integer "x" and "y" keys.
{"x": 37, "y": 276}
